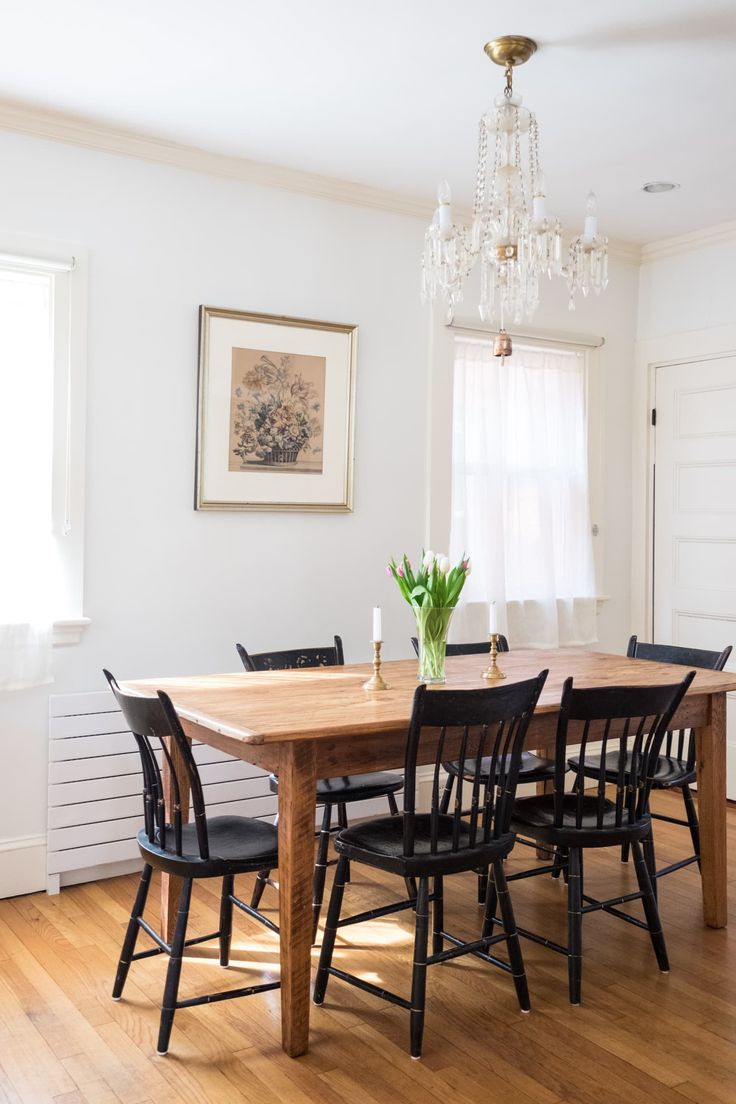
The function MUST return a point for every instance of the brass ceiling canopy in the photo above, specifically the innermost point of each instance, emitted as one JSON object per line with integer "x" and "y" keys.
{"x": 510, "y": 50}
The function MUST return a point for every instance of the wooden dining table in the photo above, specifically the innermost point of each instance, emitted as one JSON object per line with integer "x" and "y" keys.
{"x": 312, "y": 723}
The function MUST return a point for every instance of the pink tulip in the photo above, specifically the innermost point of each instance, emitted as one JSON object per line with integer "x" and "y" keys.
{"x": 388, "y": 569}
{"x": 400, "y": 571}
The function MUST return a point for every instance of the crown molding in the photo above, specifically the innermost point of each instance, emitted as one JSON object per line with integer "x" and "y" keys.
{"x": 686, "y": 243}
{"x": 77, "y": 131}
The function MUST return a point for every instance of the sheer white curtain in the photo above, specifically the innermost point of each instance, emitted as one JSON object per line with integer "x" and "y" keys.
{"x": 26, "y": 426}
{"x": 520, "y": 494}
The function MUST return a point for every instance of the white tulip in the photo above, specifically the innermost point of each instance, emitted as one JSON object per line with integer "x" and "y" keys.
{"x": 443, "y": 564}
{"x": 428, "y": 561}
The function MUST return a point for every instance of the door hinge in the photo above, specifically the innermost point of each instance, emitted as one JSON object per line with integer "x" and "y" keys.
{"x": 654, "y": 416}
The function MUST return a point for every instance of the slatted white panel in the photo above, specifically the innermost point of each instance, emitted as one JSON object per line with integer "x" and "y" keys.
{"x": 95, "y": 805}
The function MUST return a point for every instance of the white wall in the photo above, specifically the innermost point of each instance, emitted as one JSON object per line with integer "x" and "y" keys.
{"x": 169, "y": 590}
{"x": 692, "y": 290}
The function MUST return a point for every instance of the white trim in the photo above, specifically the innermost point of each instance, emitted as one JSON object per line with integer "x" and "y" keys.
{"x": 22, "y": 865}
{"x": 77, "y": 131}
{"x": 678, "y": 348}
{"x": 70, "y": 631}
{"x": 686, "y": 243}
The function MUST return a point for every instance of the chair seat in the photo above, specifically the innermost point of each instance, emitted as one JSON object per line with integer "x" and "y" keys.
{"x": 670, "y": 771}
{"x": 535, "y": 816}
{"x": 351, "y": 787}
{"x": 237, "y": 845}
{"x": 533, "y": 768}
{"x": 380, "y": 843}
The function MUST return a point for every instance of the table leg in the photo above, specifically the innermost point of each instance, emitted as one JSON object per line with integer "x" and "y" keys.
{"x": 711, "y": 759}
{"x": 170, "y": 884}
{"x": 297, "y": 800}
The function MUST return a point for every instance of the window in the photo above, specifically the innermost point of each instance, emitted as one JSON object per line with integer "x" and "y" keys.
{"x": 520, "y": 489}
{"x": 41, "y": 443}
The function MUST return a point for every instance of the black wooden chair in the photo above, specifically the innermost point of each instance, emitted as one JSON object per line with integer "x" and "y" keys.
{"x": 209, "y": 847}
{"x": 628, "y": 724}
{"x": 332, "y": 793}
{"x": 676, "y": 764}
{"x": 533, "y": 767}
{"x": 432, "y": 845}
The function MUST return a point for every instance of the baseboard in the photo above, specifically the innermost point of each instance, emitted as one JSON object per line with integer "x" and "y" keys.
{"x": 22, "y": 865}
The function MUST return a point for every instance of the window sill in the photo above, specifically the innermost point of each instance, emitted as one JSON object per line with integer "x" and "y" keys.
{"x": 69, "y": 632}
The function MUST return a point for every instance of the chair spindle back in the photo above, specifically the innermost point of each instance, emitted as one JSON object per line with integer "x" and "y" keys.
{"x": 630, "y": 721}
{"x": 484, "y": 723}
{"x": 479, "y": 648}
{"x": 293, "y": 658}
{"x": 154, "y": 718}
{"x": 679, "y": 743}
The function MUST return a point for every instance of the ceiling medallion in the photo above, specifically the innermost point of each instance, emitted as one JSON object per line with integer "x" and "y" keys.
{"x": 512, "y": 235}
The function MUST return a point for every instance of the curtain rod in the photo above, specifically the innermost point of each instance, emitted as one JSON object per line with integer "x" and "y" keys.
{"x": 586, "y": 341}
{"x": 36, "y": 264}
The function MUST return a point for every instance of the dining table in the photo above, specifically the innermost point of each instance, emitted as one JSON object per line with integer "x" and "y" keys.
{"x": 311, "y": 723}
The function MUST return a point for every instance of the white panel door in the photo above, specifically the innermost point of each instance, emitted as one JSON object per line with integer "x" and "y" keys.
{"x": 695, "y": 513}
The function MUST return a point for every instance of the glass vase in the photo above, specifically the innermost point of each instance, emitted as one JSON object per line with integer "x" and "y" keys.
{"x": 433, "y": 623}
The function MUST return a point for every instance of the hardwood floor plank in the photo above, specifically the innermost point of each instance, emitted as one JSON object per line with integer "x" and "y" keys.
{"x": 639, "y": 1037}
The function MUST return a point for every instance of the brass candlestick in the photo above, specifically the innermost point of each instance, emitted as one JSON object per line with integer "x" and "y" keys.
{"x": 375, "y": 682}
{"x": 493, "y": 671}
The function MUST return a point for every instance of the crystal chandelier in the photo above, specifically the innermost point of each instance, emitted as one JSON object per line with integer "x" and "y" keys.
{"x": 512, "y": 235}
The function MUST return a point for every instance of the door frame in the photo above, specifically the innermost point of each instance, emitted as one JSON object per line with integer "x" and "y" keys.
{"x": 653, "y": 353}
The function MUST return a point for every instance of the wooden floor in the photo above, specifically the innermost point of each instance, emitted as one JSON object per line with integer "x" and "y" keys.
{"x": 640, "y": 1037}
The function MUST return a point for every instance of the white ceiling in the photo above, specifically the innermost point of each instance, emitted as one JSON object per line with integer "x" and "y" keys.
{"x": 388, "y": 93}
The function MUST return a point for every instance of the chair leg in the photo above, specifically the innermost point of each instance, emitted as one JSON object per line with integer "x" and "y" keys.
{"x": 260, "y": 884}
{"x": 419, "y": 971}
{"x": 512, "y": 937}
{"x": 342, "y": 820}
{"x": 226, "y": 918}
{"x": 328, "y": 939}
{"x": 482, "y": 885}
{"x": 624, "y": 852}
{"x": 171, "y": 988}
{"x": 574, "y": 925}
{"x": 393, "y": 807}
{"x": 490, "y": 908}
{"x": 650, "y": 859}
{"x": 438, "y": 914}
{"x": 446, "y": 795}
{"x": 651, "y": 910}
{"x": 692, "y": 820}
{"x": 320, "y": 869}
{"x": 131, "y": 935}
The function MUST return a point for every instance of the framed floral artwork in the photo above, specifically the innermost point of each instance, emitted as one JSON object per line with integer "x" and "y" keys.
{"x": 275, "y": 412}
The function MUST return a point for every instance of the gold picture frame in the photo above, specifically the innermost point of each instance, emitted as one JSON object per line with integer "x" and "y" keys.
{"x": 275, "y": 412}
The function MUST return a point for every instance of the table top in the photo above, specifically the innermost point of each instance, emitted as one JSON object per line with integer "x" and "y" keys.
{"x": 275, "y": 706}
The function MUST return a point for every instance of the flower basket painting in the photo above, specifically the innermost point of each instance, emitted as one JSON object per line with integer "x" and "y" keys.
{"x": 275, "y": 412}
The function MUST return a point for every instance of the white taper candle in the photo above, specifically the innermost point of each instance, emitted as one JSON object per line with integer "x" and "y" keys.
{"x": 377, "y": 623}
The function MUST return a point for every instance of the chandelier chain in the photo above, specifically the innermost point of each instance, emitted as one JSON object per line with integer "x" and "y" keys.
{"x": 509, "y": 89}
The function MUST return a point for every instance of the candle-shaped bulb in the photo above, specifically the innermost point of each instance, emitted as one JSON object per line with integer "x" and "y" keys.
{"x": 377, "y": 623}
{"x": 444, "y": 210}
{"x": 591, "y": 217}
{"x": 492, "y": 619}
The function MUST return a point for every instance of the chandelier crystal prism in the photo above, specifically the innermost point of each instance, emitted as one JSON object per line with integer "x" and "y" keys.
{"x": 513, "y": 237}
